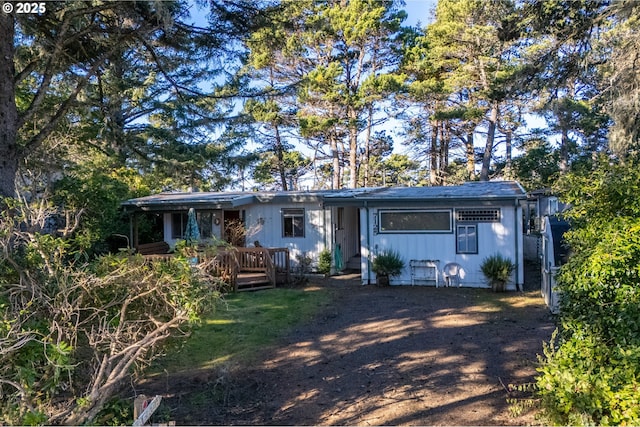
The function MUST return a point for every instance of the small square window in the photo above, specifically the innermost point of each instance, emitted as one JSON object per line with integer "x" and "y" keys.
{"x": 292, "y": 222}
{"x": 467, "y": 239}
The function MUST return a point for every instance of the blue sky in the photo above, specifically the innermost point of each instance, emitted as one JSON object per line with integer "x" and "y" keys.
{"x": 419, "y": 11}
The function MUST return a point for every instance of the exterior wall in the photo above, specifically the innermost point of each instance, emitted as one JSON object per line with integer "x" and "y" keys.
{"x": 264, "y": 224}
{"x": 504, "y": 237}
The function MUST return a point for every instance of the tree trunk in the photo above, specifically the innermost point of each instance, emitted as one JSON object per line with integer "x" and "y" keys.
{"x": 564, "y": 151}
{"x": 488, "y": 148}
{"x": 508, "y": 149}
{"x": 353, "y": 148}
{"x": 471, "y": 157}
{"x": 367, "y": 147}
{"x": 335, "y": 184}
{"x": 433, "y": 154}
{"x": 9, "y": 155}
{"x": 280, "y": 156}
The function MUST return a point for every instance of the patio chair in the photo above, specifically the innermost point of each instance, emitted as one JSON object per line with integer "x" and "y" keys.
{"x": 451, "y": 274}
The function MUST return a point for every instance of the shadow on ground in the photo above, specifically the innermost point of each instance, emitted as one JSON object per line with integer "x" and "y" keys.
{"x": 384, "y": 356}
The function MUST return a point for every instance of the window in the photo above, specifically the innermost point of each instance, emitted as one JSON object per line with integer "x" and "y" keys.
{"x": 340, "y": 225}
{"x": 553, "y": 206}
{"x": 178, "y": 224}
{"x": 292, "y": 222}
{"x": 205, "y": 224}
{"x": 415, "y": 221}
{"x": 478, "y": 215}
{"x": 467, "y": 239}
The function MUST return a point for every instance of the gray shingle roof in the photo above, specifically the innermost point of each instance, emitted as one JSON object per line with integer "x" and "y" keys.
{"x": 469, "y": 190}
{"x": 492, "y": 190}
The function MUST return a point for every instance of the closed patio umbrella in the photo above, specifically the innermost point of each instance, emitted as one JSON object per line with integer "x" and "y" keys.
{"x": 191, "y": 233}
{"x": 338, "y": 258}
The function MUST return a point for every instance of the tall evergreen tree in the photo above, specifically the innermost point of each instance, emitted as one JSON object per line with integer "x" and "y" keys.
{"x": 561, "y": 70}
{"x": 129, "y": 78}
{"x": 621, "y": 81}
{"x": 338, "y": 53}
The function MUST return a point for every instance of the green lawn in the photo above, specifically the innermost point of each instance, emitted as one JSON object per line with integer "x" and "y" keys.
{"x": 241, "y": 326}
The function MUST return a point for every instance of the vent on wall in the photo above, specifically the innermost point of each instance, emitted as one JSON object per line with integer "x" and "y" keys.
{"x": 478, "y": 215}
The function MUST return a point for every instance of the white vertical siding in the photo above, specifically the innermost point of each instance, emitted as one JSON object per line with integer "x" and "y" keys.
{"x": 365, "y": 244}
{"x": 264, "y": 223}
{"x": 493, "y": 237}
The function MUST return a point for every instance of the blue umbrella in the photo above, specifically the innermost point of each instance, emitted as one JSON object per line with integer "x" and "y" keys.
{"x": 191, "y": 233}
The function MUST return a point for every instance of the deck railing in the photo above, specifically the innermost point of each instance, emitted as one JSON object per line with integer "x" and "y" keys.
{"x": 282, "y": 263}
{"x": 229, "y": 263}
{"x": 256, "y": 260}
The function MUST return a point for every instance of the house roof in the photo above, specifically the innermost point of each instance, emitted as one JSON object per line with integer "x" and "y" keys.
{"x": 218, "y": 200}
{"x": 472, "y": 191}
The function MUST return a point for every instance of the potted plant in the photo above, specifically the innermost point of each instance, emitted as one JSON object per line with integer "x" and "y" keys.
{"x": 497, "y": 270}
{"x": 386, "y": 264}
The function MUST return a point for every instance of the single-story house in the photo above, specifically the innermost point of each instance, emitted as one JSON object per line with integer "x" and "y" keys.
{"x": 431, "y": 227}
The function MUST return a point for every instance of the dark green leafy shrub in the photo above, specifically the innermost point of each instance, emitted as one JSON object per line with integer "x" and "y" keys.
{"x": 497, "y": 269}
{"x": 590, "y": 372}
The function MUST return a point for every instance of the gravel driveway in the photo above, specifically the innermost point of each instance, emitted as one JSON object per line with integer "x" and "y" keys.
{"x": 391, "y": 356}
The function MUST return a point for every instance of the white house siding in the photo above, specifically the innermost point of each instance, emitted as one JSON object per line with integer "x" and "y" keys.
{"x": 502, "y": 237}
{"x": 264, "y": 224}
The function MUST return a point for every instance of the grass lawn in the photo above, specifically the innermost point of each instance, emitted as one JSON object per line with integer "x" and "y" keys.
{"x": 241, "y": 326}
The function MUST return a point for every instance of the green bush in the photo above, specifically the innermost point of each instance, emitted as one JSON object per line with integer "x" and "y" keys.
{"x": 590, "y": 372}
{"x": 324, "y": 262}
{"x": 497, "y": 270}
{"x": 388, "y": 263}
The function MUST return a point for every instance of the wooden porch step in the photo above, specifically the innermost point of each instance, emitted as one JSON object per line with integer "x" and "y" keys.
{"x": 252, "y": 281}
{"x": 255, "y": 288}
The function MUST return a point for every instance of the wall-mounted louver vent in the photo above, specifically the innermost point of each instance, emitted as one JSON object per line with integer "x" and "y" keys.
{"x": 478, "y": 215}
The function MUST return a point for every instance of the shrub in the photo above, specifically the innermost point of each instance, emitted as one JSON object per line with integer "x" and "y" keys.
{"x": 324, "y": 262}
{"x": 388, "y": 263}
{"x": 497, "y": 270}
{"x": 590, "y": 373}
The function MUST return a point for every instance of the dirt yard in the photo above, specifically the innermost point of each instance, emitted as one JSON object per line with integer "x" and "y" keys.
{"x": 382, "y": 356}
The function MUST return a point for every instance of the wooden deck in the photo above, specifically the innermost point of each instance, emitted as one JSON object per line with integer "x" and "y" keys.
{"x": 246, "y": 269}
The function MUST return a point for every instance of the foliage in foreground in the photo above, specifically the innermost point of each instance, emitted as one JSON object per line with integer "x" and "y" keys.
{"x": 71, "y": 333}
{"x": 591, "y": 370}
